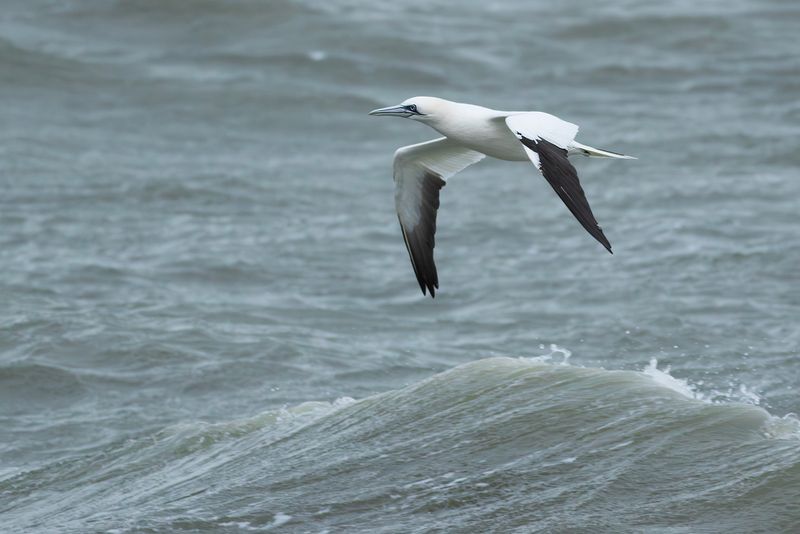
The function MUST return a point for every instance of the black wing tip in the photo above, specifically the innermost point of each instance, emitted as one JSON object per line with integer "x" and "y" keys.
{"x": 420, "y": 240}
{"x": 431, "y": 288}
{"x": 604, "y": 240}
{"x": 563, "y": 177}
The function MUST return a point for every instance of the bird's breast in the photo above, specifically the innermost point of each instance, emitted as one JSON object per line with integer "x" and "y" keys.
{"x": 505, "y": 146}
{"x": 494, "y": 139}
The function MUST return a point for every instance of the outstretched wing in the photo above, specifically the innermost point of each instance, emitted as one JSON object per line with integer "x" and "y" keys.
{"x": 546, "y": 140}
{"x": 420, "y": 171}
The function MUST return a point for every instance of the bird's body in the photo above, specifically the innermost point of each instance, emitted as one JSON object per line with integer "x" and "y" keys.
{"x": 481, "y": 129}
{"x": 470, "y": 134}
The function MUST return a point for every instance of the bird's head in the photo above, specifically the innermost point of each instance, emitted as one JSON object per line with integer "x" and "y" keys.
{"x": 419, "y": 108}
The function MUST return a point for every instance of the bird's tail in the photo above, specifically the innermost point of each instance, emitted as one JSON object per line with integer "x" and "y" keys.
{"x": 586, "y": 150}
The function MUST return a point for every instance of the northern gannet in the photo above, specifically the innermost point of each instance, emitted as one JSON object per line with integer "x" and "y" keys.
{"x": 470, "y": 134}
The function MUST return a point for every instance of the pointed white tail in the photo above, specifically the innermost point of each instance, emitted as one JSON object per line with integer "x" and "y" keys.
{"x": 592, "y": 152}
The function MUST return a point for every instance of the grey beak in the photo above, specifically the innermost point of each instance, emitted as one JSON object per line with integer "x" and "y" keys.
{"x": 392, "y": 111}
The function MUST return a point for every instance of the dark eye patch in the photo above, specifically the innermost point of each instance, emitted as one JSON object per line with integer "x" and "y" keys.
{"x": 412, "y": 108}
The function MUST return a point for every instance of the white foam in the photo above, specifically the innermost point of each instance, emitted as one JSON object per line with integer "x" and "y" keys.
{"x": 418, "y": 483}
{"x": 554, "y": 349}
{"x": 280, "y": 519}
{"x": 786, "y": 427}
{"x": 241, "y": 525}
{"x": 734, "y": 393}
{"x": 751, "y": 396}
{"x": 663, "y": 378}
{"x": 620, "y": 445}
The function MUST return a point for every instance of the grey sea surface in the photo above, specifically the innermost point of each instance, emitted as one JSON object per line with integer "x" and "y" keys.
{"x": 209, "y": 322}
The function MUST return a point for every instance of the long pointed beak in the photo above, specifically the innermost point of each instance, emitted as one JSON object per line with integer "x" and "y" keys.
{"x": 392, "y": 111}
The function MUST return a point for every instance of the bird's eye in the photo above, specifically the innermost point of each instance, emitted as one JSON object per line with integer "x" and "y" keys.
{"x": 412, "y": 107}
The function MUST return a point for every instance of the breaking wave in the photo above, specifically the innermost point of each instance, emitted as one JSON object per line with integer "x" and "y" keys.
{"x": 524, "y": 434}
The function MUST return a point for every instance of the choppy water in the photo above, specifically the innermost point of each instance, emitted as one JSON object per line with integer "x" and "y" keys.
{"x": 209, "y": 321}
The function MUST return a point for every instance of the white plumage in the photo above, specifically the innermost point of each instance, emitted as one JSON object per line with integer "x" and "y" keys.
{"x": 470, "y": 134}
{"x": 440, "y": 156}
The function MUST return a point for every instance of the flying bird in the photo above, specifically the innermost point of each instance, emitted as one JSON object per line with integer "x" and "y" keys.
{"x": 470, "y": 134}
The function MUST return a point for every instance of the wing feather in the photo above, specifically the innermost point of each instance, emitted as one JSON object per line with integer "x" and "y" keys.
{"x": 420, "y": 172}
{"x": 546, "y": 140}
